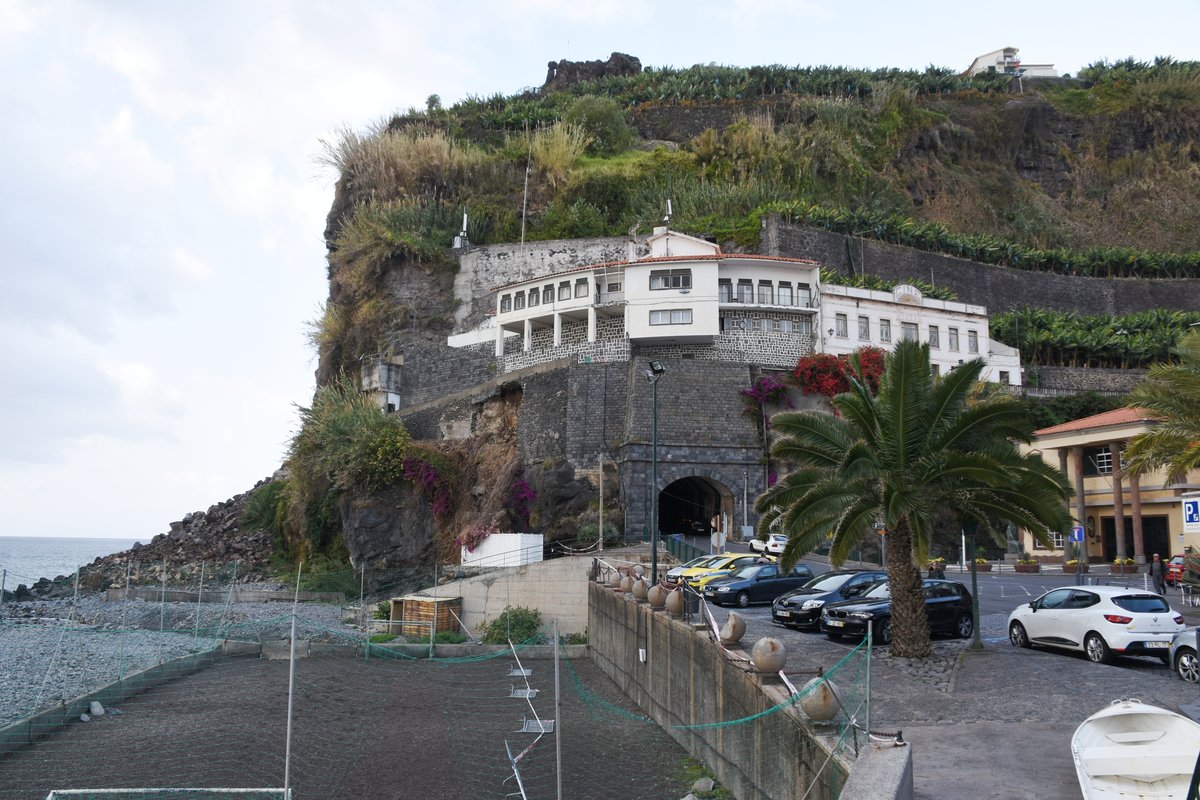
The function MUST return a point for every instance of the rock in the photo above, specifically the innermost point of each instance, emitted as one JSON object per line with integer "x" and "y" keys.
{"x": 96, "y": 709}
{"x": 84, "y": 718}
{"x": 703, "y": 785}
{"x": 115, "y": 712}
{"x": 561, "y": 74}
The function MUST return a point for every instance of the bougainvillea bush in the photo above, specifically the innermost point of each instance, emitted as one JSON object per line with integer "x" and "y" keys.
{"x": 829, "y": 375}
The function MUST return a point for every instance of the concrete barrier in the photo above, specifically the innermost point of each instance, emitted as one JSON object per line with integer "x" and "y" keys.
{"x": 882, "y": 772}
{"x": 222, "y": 596}
{"x": 52, "y": 719}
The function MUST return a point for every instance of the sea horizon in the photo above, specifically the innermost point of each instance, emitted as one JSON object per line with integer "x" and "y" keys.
{"x": 28, "y": 559}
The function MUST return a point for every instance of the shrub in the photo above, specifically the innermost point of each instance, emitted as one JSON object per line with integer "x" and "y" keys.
{"x": 573, "y": 638}
{"x": 516, "y": 624}
{"x": 603, "y": 121}
{"x": 557, "y": 148}
{"x": 381, "y": 638}
{"x": 382, "y": 610}
{"x": 441, "y": 637}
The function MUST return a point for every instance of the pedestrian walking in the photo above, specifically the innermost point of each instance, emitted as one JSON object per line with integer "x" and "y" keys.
{"x": 1158, "y": 574}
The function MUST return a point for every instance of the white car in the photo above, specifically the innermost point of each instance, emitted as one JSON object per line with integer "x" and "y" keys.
{"x": 774, "y": 544}
{"x": 1102, "y": 621}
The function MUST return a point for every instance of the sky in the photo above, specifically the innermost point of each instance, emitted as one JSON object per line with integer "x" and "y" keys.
{"x": 162, "y": 206}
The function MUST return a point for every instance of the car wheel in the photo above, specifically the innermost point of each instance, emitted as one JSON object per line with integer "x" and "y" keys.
{"x": 743, "y": 600}
{"x": 883, "y": 631}
{"x": 965, "y": 626}
{"x": 1097, "y": 649}
{"x": 1186, "y": 665}
{"x": 1018, "y": 636}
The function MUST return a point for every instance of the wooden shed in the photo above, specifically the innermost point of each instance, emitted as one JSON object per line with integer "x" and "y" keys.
{"x": 411, "y": 615}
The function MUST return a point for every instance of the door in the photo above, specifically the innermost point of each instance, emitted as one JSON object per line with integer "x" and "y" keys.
{"x": 1042, "y": 622}
{"x": 763, "y": 587}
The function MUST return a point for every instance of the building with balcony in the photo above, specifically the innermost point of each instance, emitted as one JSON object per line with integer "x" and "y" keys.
{"x": 1006, "y": 61}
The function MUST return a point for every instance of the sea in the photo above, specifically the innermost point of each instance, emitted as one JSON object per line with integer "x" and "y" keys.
{"x": 26, "y": 559}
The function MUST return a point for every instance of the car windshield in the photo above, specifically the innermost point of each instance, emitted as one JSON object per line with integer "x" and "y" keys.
{"x": 748, "y": 571}
{"x": 878, "y": 590}
{"x": 826, "y": 583}
{"x": 778, "y": 537}
{"x": 702, "y": 561}
{"x": 1142, "y": 603}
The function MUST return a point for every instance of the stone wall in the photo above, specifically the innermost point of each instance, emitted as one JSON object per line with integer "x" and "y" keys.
{"x": 432, "y": 370}
{"x": 998, "y": 288}
{"x": 1082, "y": 379}
{"x": 684, "y": 680}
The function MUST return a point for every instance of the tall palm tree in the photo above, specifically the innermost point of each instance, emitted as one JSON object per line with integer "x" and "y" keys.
{"x": 1170, "y": 392}
{"x": 898, "y": 457}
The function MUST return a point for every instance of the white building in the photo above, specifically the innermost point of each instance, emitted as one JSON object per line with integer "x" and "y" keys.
{"x": 683, "y": 297}
{"x": 1007, "y": 62}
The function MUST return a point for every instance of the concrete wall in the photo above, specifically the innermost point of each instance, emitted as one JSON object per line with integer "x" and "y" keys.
{"x": 999, "y": 288}
{"x": 686, "y": 681}
{"x": 557, "y": 588}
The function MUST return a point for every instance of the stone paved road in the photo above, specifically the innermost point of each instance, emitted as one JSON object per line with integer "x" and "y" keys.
{"x": 990, "y": 724}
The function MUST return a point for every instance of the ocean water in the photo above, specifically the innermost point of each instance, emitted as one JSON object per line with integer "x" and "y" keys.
{"x": 28, "y": 558}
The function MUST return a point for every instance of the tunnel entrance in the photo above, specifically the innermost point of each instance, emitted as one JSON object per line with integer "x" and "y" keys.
{"x": 687, "y": 505}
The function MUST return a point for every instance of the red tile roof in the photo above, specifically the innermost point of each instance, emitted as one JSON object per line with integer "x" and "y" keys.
{"x": 1118, "y": 416}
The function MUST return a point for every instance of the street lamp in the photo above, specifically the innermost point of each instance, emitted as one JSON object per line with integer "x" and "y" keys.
{"x": 652, "y": 374}
{"x": 970, "y": 528}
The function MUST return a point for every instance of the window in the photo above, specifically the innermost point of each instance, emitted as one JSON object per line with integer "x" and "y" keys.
{"x": 766, "y": 293}
{"x": 804, "y": 326}
{"x": 1097, "y": 461}
{"x": 581, "y": 287}
{"x": 864, "y": 329}
{"x": 782, "y": 325}
{"x": 534, "y": 296}
{"x": 1003, "y": 377}
{"x": 972, "y": 342}
{"x": 785, "y": 293}
{"x": 885, "y": 330}
{"x": 954, "y": 339}
{"x": 564, "y": 290}
{"x": 506, "y": 303}
{"x": 671, "y": 279}
{"x": 841, "y": 327}
{"x": 756, "y": 325}
{"x": 745, "y": 291}
{"x": 908, "y": 331}
{"x": 548, "y": 294}
{"x": 725, "y": 290}
{"x": 937, "y": 369}
{"x": 519, "y": 301}
{"x": 803, "y": 295}
{"x": 934, "y": 337}
{"x": 613, "y": 288}
{"x": 731, "y": 324}
{"x": 677, "y": 316}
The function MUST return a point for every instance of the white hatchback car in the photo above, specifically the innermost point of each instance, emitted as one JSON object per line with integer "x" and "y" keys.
{"x": 1102, "y": 621}
{"x": 774, "y": 544}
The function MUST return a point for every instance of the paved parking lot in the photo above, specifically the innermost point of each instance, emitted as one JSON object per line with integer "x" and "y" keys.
{"x": 998, "y": 721}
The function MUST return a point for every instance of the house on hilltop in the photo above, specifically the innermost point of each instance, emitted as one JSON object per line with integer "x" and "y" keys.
{"x": 1006, "y": 62}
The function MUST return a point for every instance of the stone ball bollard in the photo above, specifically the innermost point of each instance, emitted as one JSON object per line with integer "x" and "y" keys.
{"x": 627, "y": 584}
{"x": 675, "y": 603}
{"x": 638, "y": 571}
{"x": 733, "y": 630}
{"x": 821, "y": 700}
{"x": 768, "y": 655}
{"x": 614, "y": 581}
{"x": 656, "y": 596}
{"x": 640, "y": 590}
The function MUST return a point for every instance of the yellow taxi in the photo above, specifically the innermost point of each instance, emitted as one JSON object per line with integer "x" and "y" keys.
{"x": 696, "y": 577}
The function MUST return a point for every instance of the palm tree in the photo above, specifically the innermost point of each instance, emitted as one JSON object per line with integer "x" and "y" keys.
{"x": 1171, "y": 392}
{"x": 899, "y": 457}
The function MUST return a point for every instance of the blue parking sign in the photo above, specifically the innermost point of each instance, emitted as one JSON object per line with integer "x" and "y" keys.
{"x": 1076, "y": 534}
{"x": 1191, "y": 515}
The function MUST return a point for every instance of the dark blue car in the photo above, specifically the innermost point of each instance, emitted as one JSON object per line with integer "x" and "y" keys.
{"x": 755, "y": 583}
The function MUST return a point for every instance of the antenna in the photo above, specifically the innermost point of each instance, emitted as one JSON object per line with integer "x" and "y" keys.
{"x": 461, "y": 240}
{"x": 667, "y": 218}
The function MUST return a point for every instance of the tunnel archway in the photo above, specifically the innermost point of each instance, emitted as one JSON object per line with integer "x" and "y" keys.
{"x": 686, "y": 505}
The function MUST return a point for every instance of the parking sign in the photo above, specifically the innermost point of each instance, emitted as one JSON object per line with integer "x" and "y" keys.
{"x": 1191, "y": 515}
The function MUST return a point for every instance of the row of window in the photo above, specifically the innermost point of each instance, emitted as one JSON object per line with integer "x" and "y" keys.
{"x": 768, "y": 293}
{"x": 908, "y": 332}
{"x": 535, "y": 296}
{"x": 801, "y": 326}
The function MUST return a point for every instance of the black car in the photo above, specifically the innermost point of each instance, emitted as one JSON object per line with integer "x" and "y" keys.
{"x": 755, "y": 583}
{"x": 801, "y": 608}
{"x": 947, "y": 604}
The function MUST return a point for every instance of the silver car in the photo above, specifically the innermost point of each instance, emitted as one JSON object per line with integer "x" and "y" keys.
{"x": 1183, "y": 655}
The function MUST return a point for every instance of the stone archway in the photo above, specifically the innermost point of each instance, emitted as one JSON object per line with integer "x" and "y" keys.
{"x": 686, "y": 504}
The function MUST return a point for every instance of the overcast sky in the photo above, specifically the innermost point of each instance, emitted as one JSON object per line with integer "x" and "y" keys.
{"x": 161, "y": 208}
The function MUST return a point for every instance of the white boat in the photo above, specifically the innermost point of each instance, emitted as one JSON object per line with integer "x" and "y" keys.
{"x": 1132, "y": 751}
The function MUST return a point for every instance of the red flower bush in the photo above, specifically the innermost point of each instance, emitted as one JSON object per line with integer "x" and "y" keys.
{"x": 830, "y": 375}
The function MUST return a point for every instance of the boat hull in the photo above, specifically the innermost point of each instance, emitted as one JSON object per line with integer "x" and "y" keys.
{"x": 1134, "y": 751}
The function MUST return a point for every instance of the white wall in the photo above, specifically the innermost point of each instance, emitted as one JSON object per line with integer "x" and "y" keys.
{"x": 701, "y": 299}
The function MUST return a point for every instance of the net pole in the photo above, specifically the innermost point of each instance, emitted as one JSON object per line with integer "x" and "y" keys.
{"x": 199, "y": 597}
{"x": 229, "y": 597}
{"x": 287, "y": 753}
{"x": 162, "y": 600}
{"x": 3, "y": 580}
{"x": 362, "y": 587}
{"x": 124, "y": 623}
{"x": 75, "y": 599}
{"x": 557, "y": 716}
{"x": 868, "y": 714}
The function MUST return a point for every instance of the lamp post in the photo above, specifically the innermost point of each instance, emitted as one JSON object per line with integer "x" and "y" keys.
{"x": 970, "y": 528}
{"x": 653, "y": 374}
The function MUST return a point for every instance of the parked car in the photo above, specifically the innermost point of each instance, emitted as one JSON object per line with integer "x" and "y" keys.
{"x": 1174, "y": 573}
{"x": 1182, "y": 655}
{"x": 675, "y": 574}
{"x": 773, "y": 544}
{"x": 947, "y": 605}
{"x": 755, "y": 583}
{"x": 801, "y": 608}
{"x": 1100, "y": 621}
{"x": 697, "y": 578}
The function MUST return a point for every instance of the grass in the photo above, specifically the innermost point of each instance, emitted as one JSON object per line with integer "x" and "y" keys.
{"x": 692, "y": 771}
